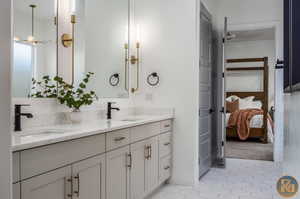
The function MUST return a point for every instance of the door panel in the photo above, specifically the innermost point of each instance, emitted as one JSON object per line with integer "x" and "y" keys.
{"x": 51, "y": 185}
{"x": 152, "y": 165}
{"x": 137, "y": 172}
{"x": 89, "y": 178}
{"x": 117, "y": 174}
{"x": 205, "y": 93}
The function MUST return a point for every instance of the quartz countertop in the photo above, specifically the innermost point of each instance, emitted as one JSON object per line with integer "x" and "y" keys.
{"x": 37, "y": 137}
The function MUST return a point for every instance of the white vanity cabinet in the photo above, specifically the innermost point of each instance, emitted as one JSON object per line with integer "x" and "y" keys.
{"x": 125, "y": 164}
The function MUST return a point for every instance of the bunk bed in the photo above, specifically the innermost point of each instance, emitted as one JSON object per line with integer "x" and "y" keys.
{"x": 262, "y": 96}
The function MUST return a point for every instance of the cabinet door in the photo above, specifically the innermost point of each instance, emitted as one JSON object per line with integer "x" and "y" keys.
{"x": 117, "y": 174}
{"x": 152, "y": 166}
{"x": 16, "y": 191}
{"x": 55, "y": 184}
{"x": 89, "y": 178}
{"x": 137, "y": 171}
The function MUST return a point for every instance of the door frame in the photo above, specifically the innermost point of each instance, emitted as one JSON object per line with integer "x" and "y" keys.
{"x": 279, "y": 101}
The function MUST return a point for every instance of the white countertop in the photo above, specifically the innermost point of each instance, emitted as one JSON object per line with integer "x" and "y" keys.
{"x": 29, "y": 139}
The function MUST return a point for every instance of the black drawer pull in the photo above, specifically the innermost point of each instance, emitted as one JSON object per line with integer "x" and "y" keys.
{"x": 167, "y": 167}
{"x": 167, "y": 143}
{"x": 118, "y": 139}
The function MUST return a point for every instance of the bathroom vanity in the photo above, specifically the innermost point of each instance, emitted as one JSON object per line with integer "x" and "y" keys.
{"x": 113, "y": 160}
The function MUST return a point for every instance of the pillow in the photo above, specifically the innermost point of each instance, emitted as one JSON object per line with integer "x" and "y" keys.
{"x": 232, "y": 106}
{"x": 250, "y": 98}
{"x": 257, "y": 104}
{"x": 245, "y": 103}
{"x": 232, "y": 98}
{"x": 248, "y": 103}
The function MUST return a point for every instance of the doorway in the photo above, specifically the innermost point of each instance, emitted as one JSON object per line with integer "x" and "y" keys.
{"x": 250, "y": 94}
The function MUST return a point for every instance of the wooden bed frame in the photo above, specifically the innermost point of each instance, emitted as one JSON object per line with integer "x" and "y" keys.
{"x": 263, "y": 96}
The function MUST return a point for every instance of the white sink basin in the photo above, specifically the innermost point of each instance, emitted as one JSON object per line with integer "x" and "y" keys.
{"x": 42, "y": 133}
{"x": 131, "y": 119}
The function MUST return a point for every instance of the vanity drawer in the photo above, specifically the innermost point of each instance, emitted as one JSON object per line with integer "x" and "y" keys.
{"x": 165, "y": 168}
{"x": 16, "y": 167}
{"x": 165, "y": 144}
{"x": 144, "y": 131}
{"x": 117, "y": 139}
{"x": 165, "y": 126}
{"x": 43, "y": 159}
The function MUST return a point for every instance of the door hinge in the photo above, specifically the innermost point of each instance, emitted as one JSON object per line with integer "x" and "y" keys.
{"x": 222, "y": 143}
{"x": 223, "y": 40}
{"x": 223, "y": 75}
{"x": 222, "y": 110}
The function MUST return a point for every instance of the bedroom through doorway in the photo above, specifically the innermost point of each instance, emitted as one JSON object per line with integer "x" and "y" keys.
{"x": 250, "y": 94}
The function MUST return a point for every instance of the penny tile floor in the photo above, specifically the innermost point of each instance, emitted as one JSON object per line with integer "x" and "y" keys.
{"x": 242, "y": 179}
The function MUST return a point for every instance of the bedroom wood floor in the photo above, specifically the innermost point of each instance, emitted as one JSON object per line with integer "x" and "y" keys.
{"x": 242, "y": 179}
{"x": 249, "y": 150}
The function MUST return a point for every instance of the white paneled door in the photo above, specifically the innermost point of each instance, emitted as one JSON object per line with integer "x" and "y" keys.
{"x": 205, "y": 96}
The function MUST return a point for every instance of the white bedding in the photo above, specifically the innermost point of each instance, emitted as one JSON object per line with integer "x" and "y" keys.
{"x": 257, "y": 122}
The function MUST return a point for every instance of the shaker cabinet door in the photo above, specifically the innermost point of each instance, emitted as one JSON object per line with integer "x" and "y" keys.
{"x": 152, "y": 165}
{"x": 89, "y": 178}
{"x": 139, "y": 153}
{"x": 55, "y": 184}
{"x": 117, "y": 174}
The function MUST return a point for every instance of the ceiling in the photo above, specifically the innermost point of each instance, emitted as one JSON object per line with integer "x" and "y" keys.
{"x": 44, "y": 9}
{"x": 254, "y": 35}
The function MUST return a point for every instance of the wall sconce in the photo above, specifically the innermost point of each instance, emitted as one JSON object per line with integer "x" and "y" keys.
{"x": 126, "y": 48}
{"x": 67, "y": 39}
{"x": 136, "y": 59}
{"x": 55, "y": 11}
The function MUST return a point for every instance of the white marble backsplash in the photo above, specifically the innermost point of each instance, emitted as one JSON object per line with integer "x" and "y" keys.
{"x": 48, "y": 112}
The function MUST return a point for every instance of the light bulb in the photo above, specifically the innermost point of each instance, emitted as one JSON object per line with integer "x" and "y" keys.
{"x": 30, "y": 38}
{"x": 73, "y": 7}
{"x": 126, "y": 35}
{"x": 16, "y": 39}
{"x": 55, "y": 7}
{"x": 138, "y": 33}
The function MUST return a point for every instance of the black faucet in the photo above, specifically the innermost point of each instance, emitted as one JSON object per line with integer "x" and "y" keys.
{"x": 110, "y": 108}
{"x": 18, "y": 115}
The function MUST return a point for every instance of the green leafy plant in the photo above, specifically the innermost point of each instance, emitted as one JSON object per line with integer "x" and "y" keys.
{"x": 45, "y": 88}
{"x": 75, "y": 97}
{"x": 65, "y": 93}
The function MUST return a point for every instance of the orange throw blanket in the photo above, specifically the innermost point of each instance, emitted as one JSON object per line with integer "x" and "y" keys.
{"x": 241, "y": 119}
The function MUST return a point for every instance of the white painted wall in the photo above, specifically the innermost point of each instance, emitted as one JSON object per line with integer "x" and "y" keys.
{"x": 5, "y": 98}
{"x": 258, "y": 14}
{"x": 169, "y": 47}
{"x": 251, "y": 80}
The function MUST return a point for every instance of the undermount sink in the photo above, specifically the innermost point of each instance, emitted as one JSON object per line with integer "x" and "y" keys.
{"x": 131, "y": 119}
{"x": 42, "y": 133}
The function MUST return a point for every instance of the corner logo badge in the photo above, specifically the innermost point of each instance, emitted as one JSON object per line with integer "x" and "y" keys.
{"x": 287, "y": 186}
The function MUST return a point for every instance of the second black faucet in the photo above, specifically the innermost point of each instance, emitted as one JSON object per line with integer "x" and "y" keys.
{"x": 110, "y": 108}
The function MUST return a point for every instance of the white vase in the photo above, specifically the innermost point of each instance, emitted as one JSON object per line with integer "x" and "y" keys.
{"x": 75, "y": 117}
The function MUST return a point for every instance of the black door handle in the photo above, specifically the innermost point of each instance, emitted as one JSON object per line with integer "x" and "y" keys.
{"x": 279, "y": 64}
